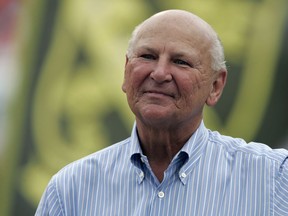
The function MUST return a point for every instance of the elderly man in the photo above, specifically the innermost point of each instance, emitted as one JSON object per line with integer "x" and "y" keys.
{"x": 172, "y": 164}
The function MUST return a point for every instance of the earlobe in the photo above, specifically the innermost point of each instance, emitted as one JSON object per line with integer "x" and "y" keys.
{"x": 217, "y": 88}
{"x": 124, "y": 86}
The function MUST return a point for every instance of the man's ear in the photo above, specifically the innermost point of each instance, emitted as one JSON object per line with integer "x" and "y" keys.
{"x": 217, "y": 87}
{"x": 124, "y": 81}
{"x": 126, "y": 61}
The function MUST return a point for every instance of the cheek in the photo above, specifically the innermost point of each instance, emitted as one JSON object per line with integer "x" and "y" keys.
{"x": 187, "y": 84}
{"x": 133, "y": 83}
{"x": 136, "y": 75}
{"x": 192, "y": 88}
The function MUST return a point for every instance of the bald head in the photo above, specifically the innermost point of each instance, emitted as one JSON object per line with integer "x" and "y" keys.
{"x": 187, "y": 24}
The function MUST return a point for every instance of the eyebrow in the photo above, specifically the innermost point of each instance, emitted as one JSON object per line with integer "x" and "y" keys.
{"x": 192, "y": 55}
{"x": 176, "y": 54}
{"x": 146, "y": 48}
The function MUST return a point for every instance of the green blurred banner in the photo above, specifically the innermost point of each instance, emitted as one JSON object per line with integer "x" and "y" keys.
{"x": 70, "y": 103}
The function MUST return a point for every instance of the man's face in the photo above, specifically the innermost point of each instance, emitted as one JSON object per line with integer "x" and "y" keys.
{"x": 168, "y": 77}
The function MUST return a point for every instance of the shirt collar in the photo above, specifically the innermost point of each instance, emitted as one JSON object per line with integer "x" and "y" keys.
{"x": 199, "y": 136}
{"x": 193, "y": 148}
{"x": 135, "y": 144}
{"x": 196, "y": 141}
{"x": 136, "y": 154}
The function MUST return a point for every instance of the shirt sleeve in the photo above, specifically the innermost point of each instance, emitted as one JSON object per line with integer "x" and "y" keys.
{"x": 50, "y": 202}
{"x": 281, "y": 190}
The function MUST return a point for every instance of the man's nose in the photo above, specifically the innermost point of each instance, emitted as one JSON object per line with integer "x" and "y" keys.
{"x": 162, "y": 71}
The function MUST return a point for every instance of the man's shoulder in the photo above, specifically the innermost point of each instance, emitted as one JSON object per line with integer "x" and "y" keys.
{"x": 99, "y": 160}
{"x": 258, "y": 150}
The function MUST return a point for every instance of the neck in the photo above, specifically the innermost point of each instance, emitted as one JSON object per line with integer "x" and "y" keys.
{"x": 160, "y": 145}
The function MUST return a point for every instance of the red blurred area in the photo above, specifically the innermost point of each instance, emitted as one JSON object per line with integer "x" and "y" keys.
{"x": 8, "y": 19}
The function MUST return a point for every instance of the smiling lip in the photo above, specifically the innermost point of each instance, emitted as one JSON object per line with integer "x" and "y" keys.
{"x": 158, "y": 93}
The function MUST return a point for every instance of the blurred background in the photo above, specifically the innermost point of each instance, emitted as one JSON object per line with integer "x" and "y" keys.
{"x": 61, "y": 70}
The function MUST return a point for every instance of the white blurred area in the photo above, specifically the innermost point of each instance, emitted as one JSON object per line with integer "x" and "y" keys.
{"x": 9, "y": 70}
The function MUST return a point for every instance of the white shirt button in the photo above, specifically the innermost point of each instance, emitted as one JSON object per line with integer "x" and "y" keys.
{"x": 141, "y": 175}
{"x": 161, "y": 194}
{"x": 183, "y": 175}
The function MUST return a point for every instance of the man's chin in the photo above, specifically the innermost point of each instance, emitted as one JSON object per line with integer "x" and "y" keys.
{"x": 156, "y": 115}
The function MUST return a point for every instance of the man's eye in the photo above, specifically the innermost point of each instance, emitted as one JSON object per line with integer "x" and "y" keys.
{"x": 181, "y": 62}
{"x": 147, "y": 56}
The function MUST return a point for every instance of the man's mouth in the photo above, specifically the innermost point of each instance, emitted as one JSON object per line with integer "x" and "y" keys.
{"x": 159, "y": 93}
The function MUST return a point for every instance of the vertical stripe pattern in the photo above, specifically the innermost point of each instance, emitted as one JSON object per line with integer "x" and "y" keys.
{"x": 211, "y": 175}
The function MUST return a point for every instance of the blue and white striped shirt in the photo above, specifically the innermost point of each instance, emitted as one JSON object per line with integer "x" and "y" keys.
{"x": 211, "y": 175}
